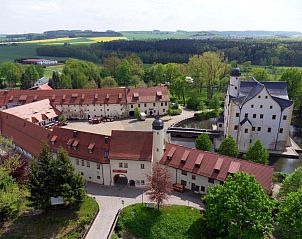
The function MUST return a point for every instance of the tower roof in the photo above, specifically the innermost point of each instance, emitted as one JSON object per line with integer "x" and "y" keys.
{"x": 236, "y": 72}
{"x": 157, "y": 124}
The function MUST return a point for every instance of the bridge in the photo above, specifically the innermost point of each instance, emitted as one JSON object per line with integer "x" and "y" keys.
{"x": 193, "y": 132}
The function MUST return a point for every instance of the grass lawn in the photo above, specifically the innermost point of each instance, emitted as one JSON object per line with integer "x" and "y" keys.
{"x": 59, "y": 223}
{"x": 49, "y": 69}
{"x": 173, "y": 222}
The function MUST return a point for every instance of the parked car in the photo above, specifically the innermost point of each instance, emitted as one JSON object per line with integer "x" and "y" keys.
{"x": 178, "y": 187}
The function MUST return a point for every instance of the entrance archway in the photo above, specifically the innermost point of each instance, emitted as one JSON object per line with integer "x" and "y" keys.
{"x": 131, "y": 113}
{"x": 132, "y": 183}
{"x": 120, "y": 179}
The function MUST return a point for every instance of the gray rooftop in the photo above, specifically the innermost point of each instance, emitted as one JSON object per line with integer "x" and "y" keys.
{"x": 277, "y": 89}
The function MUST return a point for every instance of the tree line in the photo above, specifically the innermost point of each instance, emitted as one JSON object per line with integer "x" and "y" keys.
{"x": 258, "y": 52}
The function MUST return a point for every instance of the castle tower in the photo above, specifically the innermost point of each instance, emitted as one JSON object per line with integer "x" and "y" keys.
{"x": 158, "y": 139}
{"x": 234, "y": 85}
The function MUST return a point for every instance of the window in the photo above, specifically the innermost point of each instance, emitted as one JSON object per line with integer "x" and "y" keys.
{"x": 269, "y": 130}
{"x": 183, "y": 182}
{"x": 154, "y": 104}
{"x": 193, "y": 177}
{"x": 273, "y": 116}
{"x": 210, "y": 180}
{"x": 131, "y": 106}
{"x": 235, "y": 127}
{"x": 261, "y": 106}
{"x": 259, "y": 96}
{"x": 88, "y": 164}
{"x": 235, "y": 87}
{"x": 166, "y": 103}
{"x": 254, "y": 116}
{"x": 261, "y": 116}
{"x": 237, "y": 114}
{"x": 142, "y": 182}
{"x": 183, "y": 172}
{"x": 270, "y": 106}
{"x": 82, "y": 173}
{"x": 253, "y": 128}
{"x": 246, "y": 115}
{"x": 98, "y": 166}
{"x": 120, "y": 165}
{"x": 164, "y": 110}
{"x": 281, "y": 130}
{"x": 202, "y": 188}
{"x": 252, "y": 106}
{"x": 259, "y": 129}
{"x": 125, "y": 165}
{"x": 284, "y": 117}
{"x": 139, "y": 105}
{"x": 98, "y": 177}
{"x": 246, "y": 130}
{"x": 145, "y": 105}
{"x": 77, "y": 161}
{"x": 162, "y": 104}
{"x": 105, "y": 154}
{"x": 142, "y": 166}
{"x": 83, "y": 162}
{"x": 266, "y": 97}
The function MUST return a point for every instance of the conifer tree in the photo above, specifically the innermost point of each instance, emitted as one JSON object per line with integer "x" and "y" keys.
{"x": 229, "y": 147}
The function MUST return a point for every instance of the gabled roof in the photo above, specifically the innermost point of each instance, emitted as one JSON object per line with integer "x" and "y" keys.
{"x": 25, "y": 134}
{"x": 245, "y": 120}
{"x": 250, "y": 89}
{"x": 79, "y": 144}
{"x": 216, "y": 166}
{"x": 145, "y": 95}
{"x": 131, "y": 145}
{"x": 35, "y": 112}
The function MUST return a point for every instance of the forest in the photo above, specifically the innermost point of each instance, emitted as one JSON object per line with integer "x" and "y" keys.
{"x": 258, "y": 52}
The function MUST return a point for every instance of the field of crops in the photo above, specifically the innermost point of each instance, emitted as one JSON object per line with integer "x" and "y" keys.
{"x": 27, "y": 49}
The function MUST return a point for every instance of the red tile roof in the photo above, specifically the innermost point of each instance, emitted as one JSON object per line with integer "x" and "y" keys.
{"x": 210, "y": 161}
{"x": 84, "y": 96}
{"x": 145, "y": 95}
{"x": 131, "y": 145}
{"x": 35, "y": 111}
{"x": 65, "y": 96}
{"x": 78, "y": 144}
{"x": 25, "y": 134}
{"x": 44, "y": 87}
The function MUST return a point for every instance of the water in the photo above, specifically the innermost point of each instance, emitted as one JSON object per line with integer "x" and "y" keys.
{"x": 280, "y": 164}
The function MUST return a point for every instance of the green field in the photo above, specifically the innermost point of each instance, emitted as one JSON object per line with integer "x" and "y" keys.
{"x": 59, "y": 223}
{"x": 48, "y": 70}
{"x": 28, "y": 49}
{"x": 169, "y": 222}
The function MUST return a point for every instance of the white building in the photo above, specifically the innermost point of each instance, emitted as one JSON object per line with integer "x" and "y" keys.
{"x": 90, "y": 103}
{"x": 257, "y": 110}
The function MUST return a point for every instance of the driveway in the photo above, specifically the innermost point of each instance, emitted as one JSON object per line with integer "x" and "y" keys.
{"x": 110, "y": 201}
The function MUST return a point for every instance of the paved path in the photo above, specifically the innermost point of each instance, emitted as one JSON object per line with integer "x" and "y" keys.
{"x": 110, "y": 201}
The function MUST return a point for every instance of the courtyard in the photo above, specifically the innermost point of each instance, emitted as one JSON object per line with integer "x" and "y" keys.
{"x": 127, "y": 124}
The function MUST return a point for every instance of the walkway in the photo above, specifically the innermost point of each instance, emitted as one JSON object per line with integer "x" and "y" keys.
{"x": 110, "y": 201}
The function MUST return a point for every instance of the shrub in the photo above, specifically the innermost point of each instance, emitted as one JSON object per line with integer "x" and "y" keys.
{"x": 279, "y": 177}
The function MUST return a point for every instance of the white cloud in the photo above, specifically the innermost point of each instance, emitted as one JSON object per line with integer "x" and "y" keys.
{"x": 41, "y": 15}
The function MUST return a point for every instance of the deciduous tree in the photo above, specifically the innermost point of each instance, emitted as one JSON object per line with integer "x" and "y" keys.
{"x": 108, "y": 82}
{"x": 257, "y": 153}
{"x": 11, "y": 73}
{"x": 159, "y": 184}
{"x": 261, "y": 74}
{"x": 203, "y": 142}
{"x": 229, "y": 147}
{"x": 10, "y": 195}
{"x": 239, "y": 208}
{"x": 292, "y": 183}
{"x": 289, "y": 218}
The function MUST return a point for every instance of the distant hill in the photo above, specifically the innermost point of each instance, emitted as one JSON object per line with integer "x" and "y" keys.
{"x": 257, "y": 34}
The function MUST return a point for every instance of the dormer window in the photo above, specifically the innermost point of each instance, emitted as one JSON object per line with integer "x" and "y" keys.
{"x": 91, "y": 147}
{"x": 106, "y": 140}
{"x": 53, "y": 139}
{"x": 106, "y": 154}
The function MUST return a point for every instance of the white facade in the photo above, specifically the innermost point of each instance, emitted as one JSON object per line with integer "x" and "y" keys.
{"x": 154, "y": 108}
{"x": 259, "y": 114}
{"x": 191, "y": 181}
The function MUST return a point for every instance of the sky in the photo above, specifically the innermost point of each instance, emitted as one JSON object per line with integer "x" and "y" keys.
{"x": 23, "y": 16}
